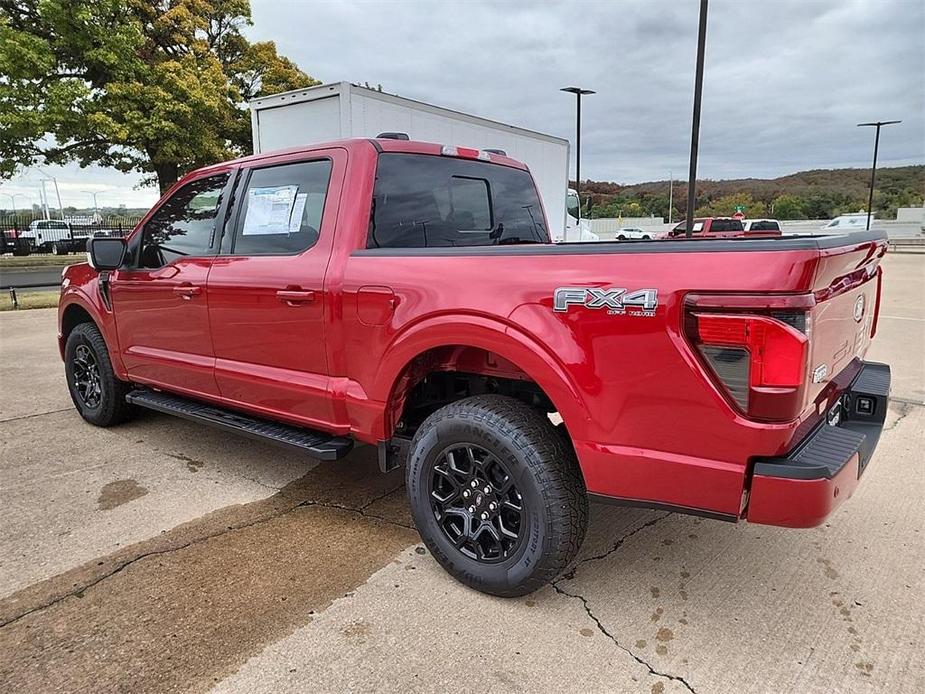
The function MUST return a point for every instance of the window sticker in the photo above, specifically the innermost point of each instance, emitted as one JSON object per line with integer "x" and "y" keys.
{"x": 295, "y": 219}
{"x": 269, "y": 210}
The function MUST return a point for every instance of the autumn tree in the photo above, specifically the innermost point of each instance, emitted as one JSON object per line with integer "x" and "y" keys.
{"x": 154, "y": 86}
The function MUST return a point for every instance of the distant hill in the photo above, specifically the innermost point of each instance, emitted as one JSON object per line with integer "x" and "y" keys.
{"x": 816, "y": 194}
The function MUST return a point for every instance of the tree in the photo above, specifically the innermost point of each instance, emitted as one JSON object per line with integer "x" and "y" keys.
{"x": 157, "y": 86}
{"x": 788, "y": 207}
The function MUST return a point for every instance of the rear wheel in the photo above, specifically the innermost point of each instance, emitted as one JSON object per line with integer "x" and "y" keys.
{"x": 58, "y": 249}
{"x": 97, "y": 394}
{"x": 496, "y": 494}
{"x": 621, "y": 237}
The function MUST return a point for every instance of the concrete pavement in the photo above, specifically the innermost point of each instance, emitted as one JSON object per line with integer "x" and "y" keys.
{"x": 164, "y": 556}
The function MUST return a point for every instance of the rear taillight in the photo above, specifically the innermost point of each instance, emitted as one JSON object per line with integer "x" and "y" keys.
{"x": 759, "y": 359}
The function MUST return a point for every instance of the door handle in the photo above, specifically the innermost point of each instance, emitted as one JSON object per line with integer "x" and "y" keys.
{"x": 295, "y": 296}
{"x": 187, "y": 291}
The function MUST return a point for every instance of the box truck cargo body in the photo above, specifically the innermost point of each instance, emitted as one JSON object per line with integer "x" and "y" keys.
{"x": 342, "y": 110}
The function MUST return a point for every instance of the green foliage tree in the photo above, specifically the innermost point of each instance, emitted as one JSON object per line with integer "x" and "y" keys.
{"x": 156, "y": 86}
{"x": 788, "y": 207}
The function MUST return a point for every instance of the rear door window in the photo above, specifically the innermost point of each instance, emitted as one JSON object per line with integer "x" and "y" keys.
{"x": 281, "y": 208}
{"x": 425, "y": 200}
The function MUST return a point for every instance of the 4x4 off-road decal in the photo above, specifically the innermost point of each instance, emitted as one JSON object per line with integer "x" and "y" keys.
{"x": 617, "y": 301}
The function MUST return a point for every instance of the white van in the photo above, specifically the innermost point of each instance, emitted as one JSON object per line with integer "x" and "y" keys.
{"x": 848, "y": 222}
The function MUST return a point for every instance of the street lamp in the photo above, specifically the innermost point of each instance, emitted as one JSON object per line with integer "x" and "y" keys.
{"x": 578, "y": 92}
{"x": 873, "y": 169}
{"x": 12, "y": 197}
{"x": 670, "y": 193}
{"x": 695, "y": 121}
{"x": 96, "y": 209}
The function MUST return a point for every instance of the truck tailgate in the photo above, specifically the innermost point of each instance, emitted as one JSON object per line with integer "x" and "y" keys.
{"x": 843, "y": 321}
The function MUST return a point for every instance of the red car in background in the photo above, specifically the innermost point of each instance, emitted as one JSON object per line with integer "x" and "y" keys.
{"x": 720, "y": 228}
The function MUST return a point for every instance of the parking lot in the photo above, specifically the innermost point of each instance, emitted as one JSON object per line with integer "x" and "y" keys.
{"x": 164, "y": 556}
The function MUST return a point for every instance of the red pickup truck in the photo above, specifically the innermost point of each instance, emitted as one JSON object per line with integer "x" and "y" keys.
{"x": 722, "y": 228}
{"x": 407, "y": 296}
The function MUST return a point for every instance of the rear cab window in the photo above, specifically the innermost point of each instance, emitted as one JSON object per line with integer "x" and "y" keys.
{"x": 422, "y": 201}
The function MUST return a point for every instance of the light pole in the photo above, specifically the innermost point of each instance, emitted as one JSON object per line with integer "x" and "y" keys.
{"x": 12, "y": 197}
{"x": 578, "y": 92}
{"x": 873, "y": 169}
{"x": 670, "y": 194}
{"x": 695, "y": 121}
{"x": 96, "y": 209}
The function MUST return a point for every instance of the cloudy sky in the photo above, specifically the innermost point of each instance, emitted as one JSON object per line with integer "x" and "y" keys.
{"x": 786, "y": 81}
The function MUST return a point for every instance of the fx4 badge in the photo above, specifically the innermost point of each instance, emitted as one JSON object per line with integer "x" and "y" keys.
{"x": 617, "y": 301}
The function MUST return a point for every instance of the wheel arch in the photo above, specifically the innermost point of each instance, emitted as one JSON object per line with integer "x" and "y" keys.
{"x": 456, "y": 345}
{"x": 74, "y": 309}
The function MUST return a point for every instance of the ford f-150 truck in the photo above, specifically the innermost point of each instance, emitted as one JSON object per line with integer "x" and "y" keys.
{"x": 406, "y": 295}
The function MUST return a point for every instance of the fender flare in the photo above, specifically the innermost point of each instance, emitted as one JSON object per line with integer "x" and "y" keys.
{"x": 504, "y": 339}
{"x": 104, "y": 320}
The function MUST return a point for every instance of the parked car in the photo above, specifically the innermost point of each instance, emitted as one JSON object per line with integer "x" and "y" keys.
{"x": 10, "y": 242}
{"x": 55, "y": 236}
{"x": 716, "y": 227}
{"x": 408, "y": 295}
{"x": 633, "y": 233}
{"x": 761, "y": 225}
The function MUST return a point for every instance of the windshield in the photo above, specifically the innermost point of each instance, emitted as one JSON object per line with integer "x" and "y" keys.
{"x": 423, "y": 200}
{"x": 572, "y": 205}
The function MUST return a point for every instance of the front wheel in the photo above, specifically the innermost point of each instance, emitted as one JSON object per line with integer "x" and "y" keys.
{"x": 97, "y": 394}
{"x": 496, "y": 494}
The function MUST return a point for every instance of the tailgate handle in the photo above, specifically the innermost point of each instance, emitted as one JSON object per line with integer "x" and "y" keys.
{"x": 295, "y": 296}
{"x": 187, "y": 291}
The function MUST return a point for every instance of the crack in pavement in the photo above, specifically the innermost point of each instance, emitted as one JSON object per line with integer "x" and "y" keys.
{"x": 584, "y": 601}
{"x": 905, "y": 409}
{"x": 603, "y": 630}
{"x": 617, "y": 545}
{"x": 37, "y": 414}
{"x": 78, "y": 591}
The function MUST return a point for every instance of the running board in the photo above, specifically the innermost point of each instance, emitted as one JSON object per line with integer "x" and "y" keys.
{"x": 314, "y": 443}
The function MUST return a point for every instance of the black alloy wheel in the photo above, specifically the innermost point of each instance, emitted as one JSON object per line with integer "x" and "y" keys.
{"x": 476, "y": 503}
{"x": 87, "y": 384}
{"x": 497, "y": 494}
{"x": 97, "y": 394}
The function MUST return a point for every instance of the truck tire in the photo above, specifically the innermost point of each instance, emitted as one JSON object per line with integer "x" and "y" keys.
{"x": 59, "y": 249}
{"x": 496, "y": 494}
{"x": 97, "y": 394}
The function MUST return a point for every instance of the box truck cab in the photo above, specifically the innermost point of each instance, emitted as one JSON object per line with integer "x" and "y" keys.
{"x": 576, "y": 228}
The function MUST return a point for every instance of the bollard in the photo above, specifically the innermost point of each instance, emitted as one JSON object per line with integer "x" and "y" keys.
{"x": 13, "y": 297}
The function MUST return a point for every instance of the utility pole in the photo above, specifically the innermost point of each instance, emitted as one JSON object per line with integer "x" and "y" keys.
{"x": 695, "y": 124}
{"x": 873, "y": 169}
{"x": 578, "y": 92}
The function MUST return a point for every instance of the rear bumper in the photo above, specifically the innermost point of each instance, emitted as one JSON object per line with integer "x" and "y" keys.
{"x": 802, "y": 489}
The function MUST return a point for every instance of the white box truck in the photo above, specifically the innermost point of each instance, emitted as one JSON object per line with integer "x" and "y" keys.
{"x": 342, "y": 110}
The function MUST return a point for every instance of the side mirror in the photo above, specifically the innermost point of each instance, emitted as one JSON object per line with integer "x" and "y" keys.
{"x": 106, "y": 253}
